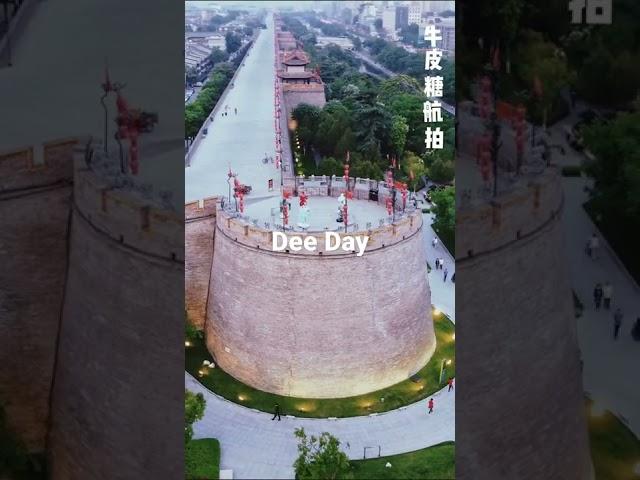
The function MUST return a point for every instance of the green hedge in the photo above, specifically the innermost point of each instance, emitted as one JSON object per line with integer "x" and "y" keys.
{"x": 202, "y": 459}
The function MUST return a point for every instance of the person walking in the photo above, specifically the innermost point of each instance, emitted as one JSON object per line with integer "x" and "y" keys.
{"x": 430, "y": 405}
{"x": 434, "y": 242}
{"x": 450, "y": 383}
{"x": 617, "y": 322}
{"x": 593, "y": 246}
{"x": 597, "y": 296}
{"x": 277, "y": 413}
{"x": 607, "y": 294}
{"x": 453, "y": 277}
{"x": 235, "y": 110}
{"x": 446, "y": 272}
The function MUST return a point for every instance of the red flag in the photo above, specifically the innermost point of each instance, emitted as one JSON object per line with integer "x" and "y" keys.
{"x": 537, "y": 86}
{"x": 495, "y": 61}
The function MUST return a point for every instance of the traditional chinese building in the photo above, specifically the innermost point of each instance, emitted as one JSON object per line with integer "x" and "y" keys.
{"x": 299, "y": 83}
{"x": 294, "y": 69}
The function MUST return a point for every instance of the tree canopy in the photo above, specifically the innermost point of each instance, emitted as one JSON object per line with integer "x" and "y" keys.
{"x": 320, "y": 457}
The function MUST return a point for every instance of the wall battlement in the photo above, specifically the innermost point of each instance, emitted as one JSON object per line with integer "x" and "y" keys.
{"x": 126, "y": 217}
{"x": 251, "y": 235}
{"x": 509, "y": 217}
{"x": 37, "y": 165}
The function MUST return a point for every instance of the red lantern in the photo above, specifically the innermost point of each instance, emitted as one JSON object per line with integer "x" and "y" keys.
{"x": 345, "y": 214}
{"x": 519, "y": 126}
{"x": 303, "y": 199}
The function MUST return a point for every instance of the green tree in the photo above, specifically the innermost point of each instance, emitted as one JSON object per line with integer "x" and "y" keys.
{"x": 444, "y": 208}
{"x": 330, "y": 166}
{"x": 542, "y": 61}
{"x": 194, "y": 406}
{"x": 193, "y": 118}
{"x": 217, "y": 56}
{"x": 320, "y": 458}
{"x": 616, "y": 170}
{"x": 440, "y": 169}
{"x": 412, "y": 164}
{"x": 398, "y": 134}
{"x": 232, "y": 42}
{"x": 307, "y": 118}
{"x": 398, "y": 85}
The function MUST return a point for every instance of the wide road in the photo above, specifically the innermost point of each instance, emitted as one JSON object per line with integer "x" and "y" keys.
{"x": 241, "y": 140}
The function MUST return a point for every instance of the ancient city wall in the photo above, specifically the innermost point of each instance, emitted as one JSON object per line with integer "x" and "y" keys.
{"x": 314, "y": 325}
{"x": 122, "y": 315}
{"x": 35, "y": 189}
{"x": 502, "y": 249}
{"x": 295, "y": 94}
{"x": 200, "y": 222}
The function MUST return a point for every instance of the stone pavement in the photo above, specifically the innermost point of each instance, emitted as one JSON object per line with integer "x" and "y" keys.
{"x": 609, "y": 365}
{"x": 443, "y": 293}
{"x": 255, "y": 447}
{"x": 241, "y": 140}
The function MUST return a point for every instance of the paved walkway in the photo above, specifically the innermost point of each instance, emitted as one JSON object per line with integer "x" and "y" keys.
{"x": 255, "y": 447}
{"x": 609, "y": 365}
{"x": 241, "y": 140}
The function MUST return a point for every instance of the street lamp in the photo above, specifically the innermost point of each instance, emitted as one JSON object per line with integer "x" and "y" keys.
{"x": 444, "y": 362}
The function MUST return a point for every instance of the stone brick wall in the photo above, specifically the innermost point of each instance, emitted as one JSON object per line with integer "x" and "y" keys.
{"x": 314, "y": 95}
{"x": 123, "y": 310}
{"x": 503, "y": 249}
{"x": 258, "y": 238}
{"x": 319, "y": 326}
{"x": 34, "y": 207}
{"x": 200, "y": 221}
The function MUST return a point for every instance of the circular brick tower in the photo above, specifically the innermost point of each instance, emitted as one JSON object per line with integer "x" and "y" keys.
{"x": 320, "y": 324}
{"x": 521, "y": 388}
{"x": 114, "y": 402}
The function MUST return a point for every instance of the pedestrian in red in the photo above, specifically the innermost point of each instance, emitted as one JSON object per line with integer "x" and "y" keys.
{"x": 430, "y": 405}
{"x": 450, "y": 382}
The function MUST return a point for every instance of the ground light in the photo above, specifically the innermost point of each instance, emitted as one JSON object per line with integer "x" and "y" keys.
{"x": 187, "y": 343}
{"x": 436, "y": 312}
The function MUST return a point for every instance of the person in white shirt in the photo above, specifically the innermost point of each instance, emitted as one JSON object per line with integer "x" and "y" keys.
{"x": 607, "y": 293}
{"x": 594, "y": 245}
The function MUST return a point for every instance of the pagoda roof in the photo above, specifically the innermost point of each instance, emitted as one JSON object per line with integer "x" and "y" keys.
{"x": 296, "y": 58}
{"x": 295, "y": 74}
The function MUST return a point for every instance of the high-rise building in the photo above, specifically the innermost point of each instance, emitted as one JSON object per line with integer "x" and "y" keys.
{"x": 415, "y": 13}
{"x": 389, "y": 20}
{"x": 402, "y": 16}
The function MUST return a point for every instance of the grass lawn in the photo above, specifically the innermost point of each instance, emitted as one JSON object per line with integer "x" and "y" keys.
{"x": 615, "y": 450}
{"x": 437, "y": 462}
{"x": 397, "y": 395}
{"x": 202, "y": 459}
